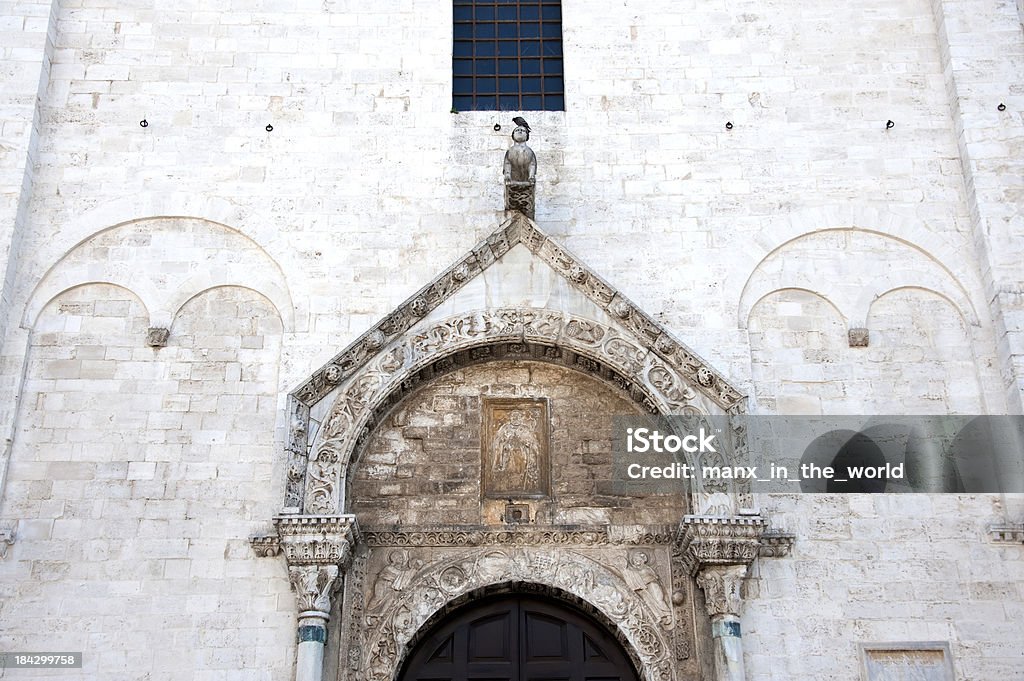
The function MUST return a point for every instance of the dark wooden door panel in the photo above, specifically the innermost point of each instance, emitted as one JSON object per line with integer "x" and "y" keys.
{"x": 518, "y": 638}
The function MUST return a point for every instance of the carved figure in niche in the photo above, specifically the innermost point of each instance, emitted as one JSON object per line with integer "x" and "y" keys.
{"x": 642, "y": 579}
{"x": 515, "y": 448}
{"x": 520, "y": 170}
{"x": 394, "y": 576}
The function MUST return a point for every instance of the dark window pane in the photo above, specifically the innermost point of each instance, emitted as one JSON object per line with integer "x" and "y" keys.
{"x": 533, "y": 84}
{"x": 554, "y": 103}
{"x": 485, "y": 67}
{"x": 531, "y": 103}
{"x": 552, "y": 84}
{"x": 508, "y": 85}
{"x": 484, "y": 13}
{"x": 486, "y": 103}
{"x": 529, "y": 13}
{"x": 552, "y": 66}
{"x": 529, "y": 30}
{"x": 463, "y": 31}
{"x": 462, "y": 67}
{"x": 551, "y": 13}
{"x": 553, "y": 31}
{"x": 507, "y": 48}
{"x": 509, "y": 102}
{"x": 530, "y": 48}
{"x": 508, "y": 31}
{"x": 508, "y": 66}
{"x": 462, "y": 86}
{"x": 463, "y": 48}
{"x": 462, "y": 103}
{"x": 463, "y": 13}
{"x": 484, "y": 31}
{"x": 507, "y": 13}
{"x": 553, "y": 48}
{"x": 486, "y": 86}
{"x": 530, "y": 65}
{"x": 485, "y": 49}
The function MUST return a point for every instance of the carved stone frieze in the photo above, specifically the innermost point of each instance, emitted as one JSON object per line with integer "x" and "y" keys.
{"x": 394, "y": 616}
{"x": 776, "y": 544}
{"x": 554, "y": 536}
{"x": 310, "y": 540}
{"x": 1007, "y": 534}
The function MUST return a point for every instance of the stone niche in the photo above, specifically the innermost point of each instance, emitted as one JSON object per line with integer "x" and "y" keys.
{"x": 478, "y": 444}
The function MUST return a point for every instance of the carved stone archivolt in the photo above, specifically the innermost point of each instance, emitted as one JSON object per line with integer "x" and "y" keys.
{"x": 411, "y": 585}
{"x": 635, "y": 353}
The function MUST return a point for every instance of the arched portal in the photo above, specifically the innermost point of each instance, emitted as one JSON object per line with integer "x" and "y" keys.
{"x": 517, "y": 637}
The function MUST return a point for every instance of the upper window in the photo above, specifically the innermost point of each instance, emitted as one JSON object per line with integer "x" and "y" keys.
{"x": 507, "y": 55}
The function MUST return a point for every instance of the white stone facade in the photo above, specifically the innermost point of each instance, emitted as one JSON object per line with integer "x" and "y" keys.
{"x": 134, "y": 475}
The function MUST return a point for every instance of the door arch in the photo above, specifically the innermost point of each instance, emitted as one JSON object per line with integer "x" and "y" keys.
{"x": 517, "y": 637}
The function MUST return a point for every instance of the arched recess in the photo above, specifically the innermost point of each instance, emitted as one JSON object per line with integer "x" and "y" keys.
{"x": 166, "y": 261}
{"x": 568, "y": 575}
{"x": 586, "y": 324}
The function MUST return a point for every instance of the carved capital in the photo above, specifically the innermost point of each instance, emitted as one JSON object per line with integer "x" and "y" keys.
{"x": 318, "y": 550}
{"x": 314, "y": 585}
{"x": 721, "y": 587}
{"x": 719, "y": 540}
{"x": 317, "y": 539}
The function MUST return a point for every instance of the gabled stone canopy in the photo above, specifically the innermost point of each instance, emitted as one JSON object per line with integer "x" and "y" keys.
{"x": 515, "y": 295}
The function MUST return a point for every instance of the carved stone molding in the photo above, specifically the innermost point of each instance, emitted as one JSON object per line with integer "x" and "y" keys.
{"x": 721, "y": 587}
{"x": 534, "y": 536}
{"x": 720, "y": 540}
{"x": 8, "y": 533}
{"x": 412, "y": 588}
{"x": 776, "y": 544}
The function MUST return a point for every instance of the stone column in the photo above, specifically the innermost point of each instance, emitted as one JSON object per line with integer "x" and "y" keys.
{"x": 718, "y": 550}
{"x": 721, "y": 587}
{"x": 318, "y": 550}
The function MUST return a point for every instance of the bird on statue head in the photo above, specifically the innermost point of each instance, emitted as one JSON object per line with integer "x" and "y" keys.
{"x": 521, "y": 122}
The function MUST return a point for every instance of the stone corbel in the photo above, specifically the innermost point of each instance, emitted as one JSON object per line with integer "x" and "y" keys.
{"x": 318, "y": 551}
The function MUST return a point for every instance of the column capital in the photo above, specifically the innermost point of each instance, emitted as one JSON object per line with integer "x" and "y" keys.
{"x": 318, "y": 550}
{"x": 721, "y": 587}
{"x": 705, "y": 541}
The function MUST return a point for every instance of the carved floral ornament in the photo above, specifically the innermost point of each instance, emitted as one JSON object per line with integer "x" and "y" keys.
{"x": 394, "y": 615}
{"x": 385, "y": 360}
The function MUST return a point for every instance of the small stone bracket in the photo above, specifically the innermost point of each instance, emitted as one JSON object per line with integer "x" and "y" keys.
{"x": 156, "y": 337}
{"x": 310, "y": 540}
{"x": 1007, "y": 534}
{"x": 8, "y": 533}
{"x": 705, "y": 540}
{"x": 858, "y": 337}
{"x": 775, "y": 544}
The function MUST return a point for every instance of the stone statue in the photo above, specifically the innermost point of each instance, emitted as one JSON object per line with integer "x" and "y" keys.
{"x": 520, "y": 174}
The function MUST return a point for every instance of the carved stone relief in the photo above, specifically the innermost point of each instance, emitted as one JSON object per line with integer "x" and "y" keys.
{"x": 515, "y": 456}
{"x": 622, "y": 584}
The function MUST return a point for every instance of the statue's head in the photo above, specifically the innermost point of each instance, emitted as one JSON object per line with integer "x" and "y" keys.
{"x": 520, "y": 135}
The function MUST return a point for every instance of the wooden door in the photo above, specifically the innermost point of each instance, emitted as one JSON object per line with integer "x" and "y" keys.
{"x": 518, "y": 638}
